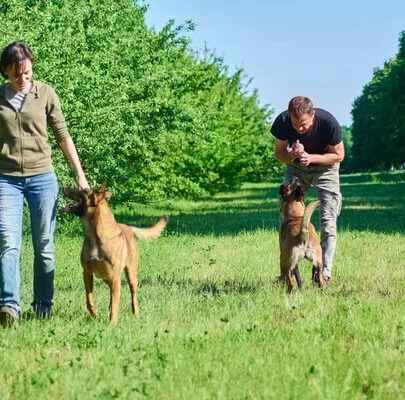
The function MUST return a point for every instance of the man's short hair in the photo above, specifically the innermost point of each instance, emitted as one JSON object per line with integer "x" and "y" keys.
{"x": 299, "y": 106}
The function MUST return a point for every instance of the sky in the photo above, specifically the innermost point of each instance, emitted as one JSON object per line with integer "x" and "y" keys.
{"x": 323, "y": 49}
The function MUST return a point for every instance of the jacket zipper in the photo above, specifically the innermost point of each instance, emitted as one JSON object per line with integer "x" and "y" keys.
{"x": 18, "y": 115}
{"x": 19, "y": 124}
{"x": 18, "y": 118}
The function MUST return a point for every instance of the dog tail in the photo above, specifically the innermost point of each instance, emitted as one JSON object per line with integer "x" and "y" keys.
{"x": 309, "y": 210}
{"x": 153, "y": 231}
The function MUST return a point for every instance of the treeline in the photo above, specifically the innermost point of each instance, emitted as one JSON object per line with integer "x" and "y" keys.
{"x": 146, "y": 113}
{"x": 378, "y": 129}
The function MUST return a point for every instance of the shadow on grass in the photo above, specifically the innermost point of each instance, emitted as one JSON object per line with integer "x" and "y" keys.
{"x": 374, "y": 204}
{"x": 373, "y": 207}
{"x": 206, "y": 287}
{"x": 373, "y": 177}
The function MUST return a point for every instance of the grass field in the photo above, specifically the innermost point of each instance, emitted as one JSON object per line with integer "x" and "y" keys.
{"x": 213, "y": 323}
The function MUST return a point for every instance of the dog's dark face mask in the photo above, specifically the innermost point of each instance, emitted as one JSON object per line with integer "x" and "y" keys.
{"x": 292, "y": 192}
{"x": 85, "y": 200}
{"x": 77, "y": 208}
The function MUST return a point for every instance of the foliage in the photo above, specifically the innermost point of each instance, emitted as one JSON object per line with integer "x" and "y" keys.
{"x": 379, "y": 116}
{"x": 347, "y": 163}
{"x": 145, "y": 111}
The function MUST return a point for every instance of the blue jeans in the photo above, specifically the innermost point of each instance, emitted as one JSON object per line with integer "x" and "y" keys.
{"x": 41, "y": 194}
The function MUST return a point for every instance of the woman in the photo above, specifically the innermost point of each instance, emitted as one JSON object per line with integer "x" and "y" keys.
{"x": 26, "y": 108}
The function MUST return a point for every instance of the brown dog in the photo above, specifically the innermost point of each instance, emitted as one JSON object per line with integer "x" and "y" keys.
{"x": 108, "y": 247}
{"x": 298, "y": 238}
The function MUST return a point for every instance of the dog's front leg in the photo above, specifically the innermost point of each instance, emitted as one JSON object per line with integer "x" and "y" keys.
{"x": 115, "y": 292}
{"x": 88, "y": 284}
{"x": 286, "y": 268}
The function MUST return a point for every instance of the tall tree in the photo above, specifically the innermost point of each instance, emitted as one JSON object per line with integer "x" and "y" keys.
{"x": 379, "y": 116}
{"x": 144, "y": 110}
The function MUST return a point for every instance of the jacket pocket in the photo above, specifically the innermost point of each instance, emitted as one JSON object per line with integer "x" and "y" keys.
{"x": 10, "y": 155}
{"x": 36, "y": 153}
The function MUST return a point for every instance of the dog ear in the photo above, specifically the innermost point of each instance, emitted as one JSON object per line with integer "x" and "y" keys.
{"x": 103, "y": 186}
{"x": 282, "y": 190}
{"x": 298, "y": 193}
{"x": 108, "y": 195}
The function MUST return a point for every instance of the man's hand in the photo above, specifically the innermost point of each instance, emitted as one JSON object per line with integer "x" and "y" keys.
{"x": 305, "y": 159}
{"x": 296, "y": 149}
{"x": 286, "y": 153}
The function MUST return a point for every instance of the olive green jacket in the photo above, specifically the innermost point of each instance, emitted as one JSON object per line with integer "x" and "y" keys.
{"x": 24, "y": 148}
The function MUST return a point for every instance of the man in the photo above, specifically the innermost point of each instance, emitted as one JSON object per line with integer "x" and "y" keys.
{"x": 309, "y": 141}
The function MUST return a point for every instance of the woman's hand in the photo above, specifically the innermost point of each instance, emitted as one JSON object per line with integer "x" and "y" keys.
{"x": 81, "y": 182}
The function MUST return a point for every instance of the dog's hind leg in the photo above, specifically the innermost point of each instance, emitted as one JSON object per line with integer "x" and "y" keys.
{"x": 314, "y": 274}
{"x": 133, "y": 287}
{"x": 88, "y": 284}
{"x": 289, "y": 281}
{"x": 286, "y": 274}
{"x": 320, "y": 273}
{"x": 115, "y": 292}
{"x": 319, "y": 265}
{"x": 317, "y": 273}
{"x": 315, "y": 256}
{"x": 297, "y": 276}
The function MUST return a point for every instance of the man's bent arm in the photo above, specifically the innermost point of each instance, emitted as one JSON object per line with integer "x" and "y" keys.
{"x": 281, "y": 152}
{"x": 335, "y": 154}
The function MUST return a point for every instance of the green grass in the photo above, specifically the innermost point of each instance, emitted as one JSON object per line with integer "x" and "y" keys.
{"x": 213, "y": 323}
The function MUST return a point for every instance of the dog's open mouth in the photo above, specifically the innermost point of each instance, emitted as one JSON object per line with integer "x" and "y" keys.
{"x": 70, "y": 209}
{"x": 76, "y": 207}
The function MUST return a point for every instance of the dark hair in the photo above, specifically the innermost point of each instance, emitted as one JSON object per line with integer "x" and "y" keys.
{"x": 299, "y": 106}
{"x": 15, "y": 54}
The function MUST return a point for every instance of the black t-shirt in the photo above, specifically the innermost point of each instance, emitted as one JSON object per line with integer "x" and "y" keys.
{"x": 326, "y": 131}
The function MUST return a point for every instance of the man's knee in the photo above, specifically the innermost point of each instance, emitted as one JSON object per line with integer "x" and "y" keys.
{"x": 331, "y": 205}
{"x": 328, "y": 231}
{"x": 328, "y": 218}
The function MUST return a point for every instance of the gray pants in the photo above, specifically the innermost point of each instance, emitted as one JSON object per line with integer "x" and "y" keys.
{"x": 325, "y": 178}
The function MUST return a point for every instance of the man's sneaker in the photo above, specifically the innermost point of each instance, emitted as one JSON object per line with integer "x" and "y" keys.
{"x": 9, "y": 316}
